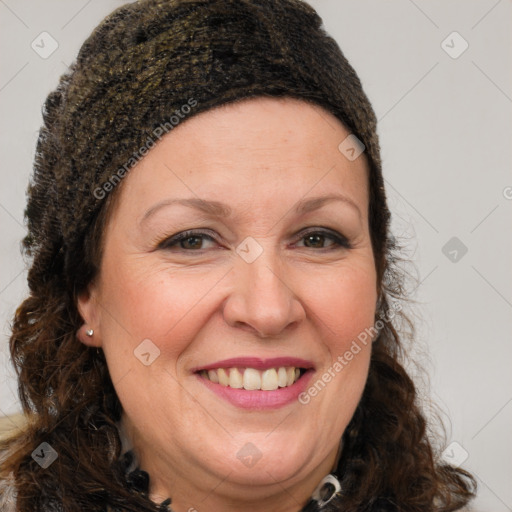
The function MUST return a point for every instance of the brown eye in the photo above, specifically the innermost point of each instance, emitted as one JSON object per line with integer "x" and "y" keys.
{"x": 192, "y": 242}
{"x": 317, "y": 240}
{"x": 186, "y": 241}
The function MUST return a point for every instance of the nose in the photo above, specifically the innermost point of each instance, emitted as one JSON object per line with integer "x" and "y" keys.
{"x": 262, "y": 299}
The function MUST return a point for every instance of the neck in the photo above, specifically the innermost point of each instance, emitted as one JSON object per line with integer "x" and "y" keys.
{"x": 193, "y": 489}
{"x": 224, "y": 496}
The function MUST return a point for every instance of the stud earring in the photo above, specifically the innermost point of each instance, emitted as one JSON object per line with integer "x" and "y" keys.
{"x": 89, "y": 332}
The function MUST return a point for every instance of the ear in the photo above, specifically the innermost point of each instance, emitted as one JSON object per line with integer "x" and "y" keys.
{"x": 89, "y": 310}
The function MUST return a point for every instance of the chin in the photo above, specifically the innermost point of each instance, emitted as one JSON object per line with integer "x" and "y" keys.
{"x": 264, "y": 462}
{"x": 276, "y": 470}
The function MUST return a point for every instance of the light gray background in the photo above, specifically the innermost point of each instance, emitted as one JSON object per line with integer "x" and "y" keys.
{"x": 445, "y": 129}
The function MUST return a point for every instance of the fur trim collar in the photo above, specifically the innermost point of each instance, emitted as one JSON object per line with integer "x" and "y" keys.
{"x": 7, "y": 489}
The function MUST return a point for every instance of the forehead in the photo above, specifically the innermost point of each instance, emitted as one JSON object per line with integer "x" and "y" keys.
{"x": 265, "y": 148}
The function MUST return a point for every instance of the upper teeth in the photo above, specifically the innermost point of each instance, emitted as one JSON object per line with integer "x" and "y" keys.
{"x": 250, "y": 378}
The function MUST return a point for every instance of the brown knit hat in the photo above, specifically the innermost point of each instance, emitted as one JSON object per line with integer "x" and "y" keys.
{"x": 153, "y": 64}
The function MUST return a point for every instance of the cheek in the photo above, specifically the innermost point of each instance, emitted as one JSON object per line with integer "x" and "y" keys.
{"x": 150, "y": 317}
{"x": 154, "y": 303}
{"x": 345, "y": 304}
{"x": 345, "y": 311}
{"x": 345, "y": 307}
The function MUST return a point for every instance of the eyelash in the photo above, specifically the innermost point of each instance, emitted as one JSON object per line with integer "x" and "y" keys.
{"x": 339, "y": 240}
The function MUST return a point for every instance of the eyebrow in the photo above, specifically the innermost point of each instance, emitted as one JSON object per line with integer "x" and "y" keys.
{"x": 218, "y": 209}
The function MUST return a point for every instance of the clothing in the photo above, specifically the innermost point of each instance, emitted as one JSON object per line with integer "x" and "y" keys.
{"x": 153, "y": 65}
{"x": 8, "y": 425}
{"x": 139, "y": 479}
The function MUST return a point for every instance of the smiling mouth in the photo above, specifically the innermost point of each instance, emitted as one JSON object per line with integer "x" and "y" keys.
{"x": 251, "y": 379}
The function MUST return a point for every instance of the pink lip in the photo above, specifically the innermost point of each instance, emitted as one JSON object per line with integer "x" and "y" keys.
{"x": 257, "y": 363}
{"x": 257, "y": 399}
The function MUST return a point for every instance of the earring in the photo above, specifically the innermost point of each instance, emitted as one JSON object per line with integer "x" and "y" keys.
{"x": 89, "y": 332}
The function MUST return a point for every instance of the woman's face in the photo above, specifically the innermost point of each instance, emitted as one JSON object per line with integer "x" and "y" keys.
{"x": 276, "y": 279}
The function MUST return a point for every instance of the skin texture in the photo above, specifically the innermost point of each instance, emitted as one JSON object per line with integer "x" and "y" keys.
{"x": 301, "y": 297}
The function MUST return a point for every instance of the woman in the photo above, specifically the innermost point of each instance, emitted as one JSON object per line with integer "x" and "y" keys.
{"x": 211, "y": 323}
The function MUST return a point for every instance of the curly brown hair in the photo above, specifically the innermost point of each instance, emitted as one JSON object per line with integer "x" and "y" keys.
{"x": 142, "y": 62}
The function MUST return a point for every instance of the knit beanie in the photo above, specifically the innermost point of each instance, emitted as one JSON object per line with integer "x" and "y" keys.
{"x": 154, "y": 64}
